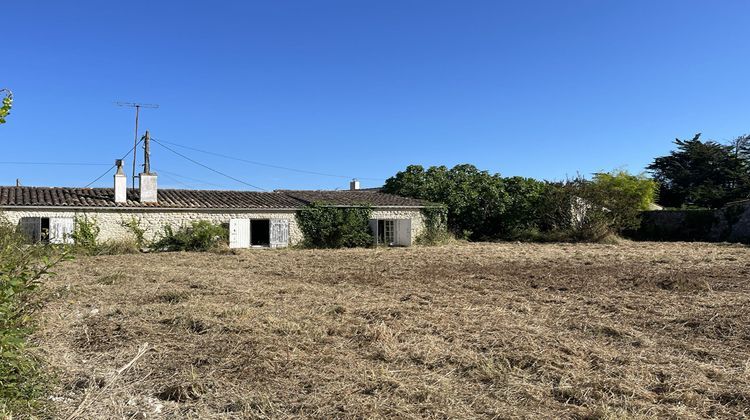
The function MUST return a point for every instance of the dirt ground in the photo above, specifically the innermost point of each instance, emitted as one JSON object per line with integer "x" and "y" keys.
{"x": 633, "y": 330}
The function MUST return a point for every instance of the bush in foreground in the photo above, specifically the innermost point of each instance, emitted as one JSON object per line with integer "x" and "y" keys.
{"x": 21, "y": 267}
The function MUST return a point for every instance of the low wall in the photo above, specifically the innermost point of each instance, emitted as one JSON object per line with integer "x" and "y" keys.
{"x": 728, "y": 224}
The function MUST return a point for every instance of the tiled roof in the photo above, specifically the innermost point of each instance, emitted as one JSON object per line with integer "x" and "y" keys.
{"x": 194, "y": 199}
{"x": 371, "y": 197}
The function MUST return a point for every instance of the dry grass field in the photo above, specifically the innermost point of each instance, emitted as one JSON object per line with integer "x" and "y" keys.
{"x": 633, "y": 330}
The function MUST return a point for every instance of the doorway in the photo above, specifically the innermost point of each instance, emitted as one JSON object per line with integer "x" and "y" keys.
{"x": 260, "y": 232}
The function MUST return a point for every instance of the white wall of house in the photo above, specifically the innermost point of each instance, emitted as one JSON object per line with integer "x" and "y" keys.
{"x": 153, "y": 221}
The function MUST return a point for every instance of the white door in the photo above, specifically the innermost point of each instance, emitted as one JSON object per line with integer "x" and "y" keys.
{"x": 239, "y": 233}
{"x": 279, "y": 233}
{"x": 32, "y": 228}
{"x": 403, "y": 232}
{"x": 61, "y": 230}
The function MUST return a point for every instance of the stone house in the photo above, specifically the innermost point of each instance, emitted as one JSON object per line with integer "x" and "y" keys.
{"x": 255, "y": 219}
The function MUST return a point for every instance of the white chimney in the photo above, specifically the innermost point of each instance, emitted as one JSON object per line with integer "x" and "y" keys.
{"x": 121, "y": 184}
{"x": 147, "y": 180}
{"x": 354, "y": 185}
{"x": 147, "y": 184}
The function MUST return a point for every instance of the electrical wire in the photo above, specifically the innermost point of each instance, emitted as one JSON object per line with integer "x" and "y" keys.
{"x": 304, "y": 171}
{"x": 54, "y": 163}
{"x": 206, "y": 166}
{"x": 200, "y": 181}
{"x": 115, "y": 165}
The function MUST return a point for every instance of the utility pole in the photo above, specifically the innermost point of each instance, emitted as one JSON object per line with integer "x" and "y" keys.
{"x": 147, "y": 153}
{"x": 137, "y": 107}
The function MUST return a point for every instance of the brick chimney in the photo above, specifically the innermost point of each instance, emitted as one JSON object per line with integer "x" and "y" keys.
{"x": 354, "y": 185}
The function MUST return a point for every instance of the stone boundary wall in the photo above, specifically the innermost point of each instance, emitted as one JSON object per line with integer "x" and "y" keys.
{"x": 153, "y": 221}
{"x": 728, "y": 224}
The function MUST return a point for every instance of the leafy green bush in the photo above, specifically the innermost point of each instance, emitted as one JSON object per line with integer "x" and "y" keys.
{"x": 86, "y": 235}
{"x": 198, "y": 236}
{"x": 21, "y": 267}
{"x": 334, "y": 227}
{"x": 484, "y": 206}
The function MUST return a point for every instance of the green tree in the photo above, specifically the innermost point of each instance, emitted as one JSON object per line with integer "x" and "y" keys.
{"x": 741, "y": 147}
{"x": 475, "y": 199}
{"x": 701, "y": 174}
{"x": 7, "y": 104}
{"x": 621, "y": 197}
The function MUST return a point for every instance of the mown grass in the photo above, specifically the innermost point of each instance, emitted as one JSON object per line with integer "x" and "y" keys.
{"x": 631, "y": 330}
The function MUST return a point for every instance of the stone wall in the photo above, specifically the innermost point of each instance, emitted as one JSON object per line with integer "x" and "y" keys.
{"x": 153, "y": 220}
{"x": 417, "y": 219}
{"x": 728, "y": 224}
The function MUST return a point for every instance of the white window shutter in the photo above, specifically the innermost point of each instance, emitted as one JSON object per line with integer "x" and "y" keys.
{"x": 239, "y": 233}
{"x": 403, "y": 232}
{"x": 279, "y": 233}
{"x": 32, "y": 228}
{"x": 61, "y": 230}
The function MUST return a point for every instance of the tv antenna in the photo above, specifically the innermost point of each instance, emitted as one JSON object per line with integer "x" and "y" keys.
{"x": 137, "y": 107}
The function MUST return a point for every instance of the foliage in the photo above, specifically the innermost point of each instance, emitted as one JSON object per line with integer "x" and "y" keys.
{"x": 475, "y": 199}
{"x": 702, "y": 174}
{"x": 741, "y": 147}
{"x": 435, "y": 226}
{"x": 139, "y": 233}
{"x": 335, "y": 227}
{"x": 7, "y": 104}
{"x": 676, "y": 225}
{"x": 623, "y": 197}
{"x": 482, "y": 206}
{"x": 21, "y": 268}
{"x": 200, "y": 235}
{"x": 86, "y": 235}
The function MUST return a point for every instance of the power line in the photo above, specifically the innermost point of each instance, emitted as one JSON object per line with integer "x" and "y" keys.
{"x": 177, "y": 181}
{"x": 252, "y": 162}
{"x": 113, "y": 166}
{"x": 205, "y": 166}
{"x": 54, "y": 163}
{"x": 200, "y": 181}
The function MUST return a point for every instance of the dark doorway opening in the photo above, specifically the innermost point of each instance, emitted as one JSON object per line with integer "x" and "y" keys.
{"x": 260, "y": 233}
{"x": 44, "y": 229}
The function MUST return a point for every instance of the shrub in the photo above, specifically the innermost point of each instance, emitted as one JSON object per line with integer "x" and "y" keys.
{"x": 139, "y": 233}
{"x": 86, "y": 235}
{"x": 334, "y": 227}
{"x": 435, "y": 227}
{"x": 198, "y": 236}
{"x": 21, "y": 267}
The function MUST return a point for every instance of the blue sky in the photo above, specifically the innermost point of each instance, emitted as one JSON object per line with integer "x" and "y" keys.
{"x": 542, "y": 89}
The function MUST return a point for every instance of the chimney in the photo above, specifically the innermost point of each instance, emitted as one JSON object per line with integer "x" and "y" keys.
{"x": 121, "y": 184}
{"x": 354, "y": 185}
{"x": 147, "y": 184}
{"x": 147, "y": 180}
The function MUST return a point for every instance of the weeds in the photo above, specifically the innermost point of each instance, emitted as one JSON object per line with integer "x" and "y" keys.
{"x": 21, "y": 268}
{"x": 198, "y": 236}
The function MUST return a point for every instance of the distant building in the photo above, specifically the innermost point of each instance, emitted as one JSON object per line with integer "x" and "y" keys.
{"x": 262, "y": 219}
